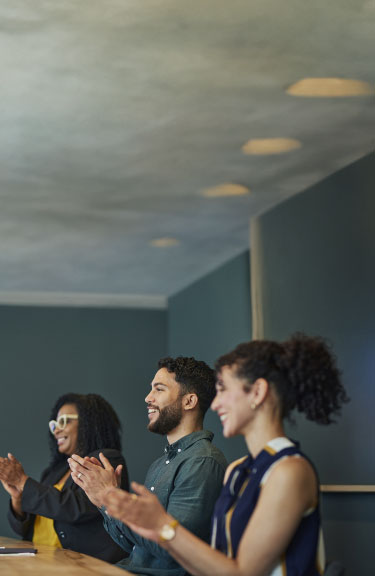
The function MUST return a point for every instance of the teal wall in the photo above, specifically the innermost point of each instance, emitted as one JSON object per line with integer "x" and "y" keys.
{"x": 46, "y": 352}
{"x": 315, "y": 272}
{"x": 209, "y": 318}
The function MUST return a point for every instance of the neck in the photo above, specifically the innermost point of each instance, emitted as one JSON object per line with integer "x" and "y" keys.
{"x": 185, "y": 428}
{"x": 261, "y": 434}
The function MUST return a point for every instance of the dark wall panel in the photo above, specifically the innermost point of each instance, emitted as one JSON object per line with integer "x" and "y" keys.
{"x": 210, "y": 318}
{"x": 46, "y": 352}
{"x": 315, "y": 272}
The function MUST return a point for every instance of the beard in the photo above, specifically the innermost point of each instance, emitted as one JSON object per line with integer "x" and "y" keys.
{"x": 169, "y": 418}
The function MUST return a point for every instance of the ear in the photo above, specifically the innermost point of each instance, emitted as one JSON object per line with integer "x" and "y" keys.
{"x": 259, "y": 391}
{"x": 190, "y": 401}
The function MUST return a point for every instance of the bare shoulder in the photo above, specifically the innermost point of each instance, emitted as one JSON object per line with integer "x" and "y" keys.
{"x": 293, "y": 469}
{"x": 294, "y": 475}
{"x": 232, "y": 466}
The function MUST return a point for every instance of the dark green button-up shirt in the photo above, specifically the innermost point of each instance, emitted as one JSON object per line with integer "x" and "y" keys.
{"x": 187, "y": 479}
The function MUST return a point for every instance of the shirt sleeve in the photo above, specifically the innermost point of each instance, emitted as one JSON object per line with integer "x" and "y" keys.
{"x": 20, "y": 525}
{"x": 196, "y": 488}
{"x": 118, "y": 531}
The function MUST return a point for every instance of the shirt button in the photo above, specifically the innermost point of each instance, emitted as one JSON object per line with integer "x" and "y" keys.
{"x": 179, "y": 450}
{"x": 152, "y": 488}
{"x": 62, "y": 534}
{"x": 167, "y": 461}
{"x": 121, "y": 536}
{"x": 254, "y": 470}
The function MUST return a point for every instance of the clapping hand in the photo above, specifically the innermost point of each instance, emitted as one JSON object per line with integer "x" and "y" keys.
{"x": 94, "y": 477}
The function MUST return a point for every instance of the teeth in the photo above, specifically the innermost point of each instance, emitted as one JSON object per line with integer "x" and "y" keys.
{"x": 223, "y": 417}
{"x": 61, "y": 440}
{"x": 151, "y": 410}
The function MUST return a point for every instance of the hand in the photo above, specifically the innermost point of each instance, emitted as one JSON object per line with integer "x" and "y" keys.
{"x": 12, "y": 473}
{"x": 141, "y": 511}
{"x": 94, "y": 477}
{"x": 12, "y": 490}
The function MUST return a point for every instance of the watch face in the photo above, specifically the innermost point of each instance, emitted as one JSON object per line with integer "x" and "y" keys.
{"x": 167, "y": 532}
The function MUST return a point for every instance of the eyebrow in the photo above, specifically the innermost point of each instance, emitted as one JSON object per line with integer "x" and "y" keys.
{"x": 153, "y": 384}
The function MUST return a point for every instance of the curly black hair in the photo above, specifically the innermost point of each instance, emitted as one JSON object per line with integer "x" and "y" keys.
{"x": 98, "y": 425}
{"x": 302, "y": 371}
{"x": 193, "y": 376}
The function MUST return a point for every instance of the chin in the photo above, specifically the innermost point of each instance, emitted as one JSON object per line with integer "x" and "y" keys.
{"x": 227, "y": 433}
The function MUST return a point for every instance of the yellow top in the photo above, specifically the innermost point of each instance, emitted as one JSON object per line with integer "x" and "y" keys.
{"x": 44, "y": 531}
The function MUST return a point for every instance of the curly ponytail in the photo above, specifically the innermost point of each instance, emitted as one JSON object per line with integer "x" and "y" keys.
{"x": 311, "y": 371}
{"x": 302, "y": 371}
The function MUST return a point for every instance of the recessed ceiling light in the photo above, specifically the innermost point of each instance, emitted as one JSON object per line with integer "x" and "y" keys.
{"x": 263, "y": 146}
{"x": 330, "y": 88}
{"x": 164, "y": 242}
{"x": 227, "y": 189}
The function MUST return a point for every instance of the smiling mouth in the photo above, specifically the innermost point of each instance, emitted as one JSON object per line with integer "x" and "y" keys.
{"x": 223, "y": 417}
{"x": 151, "y": 411}
{"x": 61, "y": 440}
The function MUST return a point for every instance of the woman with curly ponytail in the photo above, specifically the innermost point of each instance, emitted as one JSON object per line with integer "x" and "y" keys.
{"x": 266, "y": 521}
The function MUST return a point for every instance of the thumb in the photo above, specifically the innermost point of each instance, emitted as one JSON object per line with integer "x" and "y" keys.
{"x": 118, "y": 473}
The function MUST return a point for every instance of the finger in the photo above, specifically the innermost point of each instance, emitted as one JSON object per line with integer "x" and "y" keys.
{"x": 95, "y": 461}
{"x": 92, "y": 460}
{"x": 115, "y": 497}
{"x": 76, "y": 468}
{"x": 77, "y": 479}
{"x": 118, "y": 471}
{"x": 80, "y": 460}
{"x": 81, "y": 464}
{"x": 140, "y": 489}
{"x": 106, "y": 463}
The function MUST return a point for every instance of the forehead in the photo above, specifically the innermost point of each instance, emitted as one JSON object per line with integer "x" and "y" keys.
{"x": 67, "y": 409}
{"x": 228, "y": 374}
{"x": 166, "y": 378}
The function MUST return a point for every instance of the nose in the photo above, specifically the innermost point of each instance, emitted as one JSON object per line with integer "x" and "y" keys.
{"x": 149, "y": 398}
{"x": 215, "y": 404}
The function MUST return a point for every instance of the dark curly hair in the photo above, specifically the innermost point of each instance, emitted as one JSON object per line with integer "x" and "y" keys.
{"x": 193, "y": 376}
{"x": 98, "y": 425}
{"x": 302, "y": 371}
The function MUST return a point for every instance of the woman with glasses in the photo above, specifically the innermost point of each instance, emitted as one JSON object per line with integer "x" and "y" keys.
{"x": 55, "y": 511}
{"x": 266, "y": 521}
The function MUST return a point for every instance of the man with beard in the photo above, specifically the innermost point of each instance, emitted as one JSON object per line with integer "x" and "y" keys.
{"x": 188, "y": 477}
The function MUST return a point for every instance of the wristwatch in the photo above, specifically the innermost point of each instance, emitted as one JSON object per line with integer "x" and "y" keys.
{"x": 168, "y": 531}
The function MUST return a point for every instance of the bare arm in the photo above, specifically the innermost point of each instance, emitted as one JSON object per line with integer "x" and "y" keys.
{"x": 290, "y": 490}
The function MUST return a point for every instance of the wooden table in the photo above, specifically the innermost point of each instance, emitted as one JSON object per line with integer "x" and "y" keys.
{"x": 53, "y": 562}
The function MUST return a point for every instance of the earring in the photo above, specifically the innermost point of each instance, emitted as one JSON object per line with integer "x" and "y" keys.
{"x": 253, "y": 406}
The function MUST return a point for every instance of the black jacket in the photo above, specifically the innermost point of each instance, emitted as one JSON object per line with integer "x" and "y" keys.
{"x": 77, "y": 522}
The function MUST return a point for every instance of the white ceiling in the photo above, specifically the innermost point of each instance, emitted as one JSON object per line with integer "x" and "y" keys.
{"x": 115, "y": 114}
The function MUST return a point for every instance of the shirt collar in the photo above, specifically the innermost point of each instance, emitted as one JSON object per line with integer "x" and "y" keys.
{"x": 187, "y": 441}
